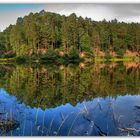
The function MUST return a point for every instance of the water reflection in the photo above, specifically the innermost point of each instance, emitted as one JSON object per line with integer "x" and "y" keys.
{"x": 99, "y": 99}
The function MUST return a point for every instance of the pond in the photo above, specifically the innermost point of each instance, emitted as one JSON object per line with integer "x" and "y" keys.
{"x": 85, "y": 100}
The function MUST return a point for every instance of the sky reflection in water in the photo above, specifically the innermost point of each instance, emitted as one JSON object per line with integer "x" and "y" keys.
{"x": 99, "y": 115}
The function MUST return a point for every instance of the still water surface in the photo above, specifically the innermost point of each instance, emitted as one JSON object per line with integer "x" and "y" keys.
{"x": 97, "y": 100}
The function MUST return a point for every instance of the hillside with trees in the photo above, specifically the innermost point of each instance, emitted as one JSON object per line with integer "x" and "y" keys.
{"x": 50, "y": 36}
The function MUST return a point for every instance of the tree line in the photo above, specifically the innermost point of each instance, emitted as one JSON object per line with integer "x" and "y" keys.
{"x": 48, "y": 35}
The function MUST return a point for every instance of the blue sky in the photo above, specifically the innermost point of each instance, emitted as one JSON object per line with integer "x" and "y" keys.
{"x": 16, "y": 7}
{"x": 10, "y": 12}
{"x": 123, "y": 12}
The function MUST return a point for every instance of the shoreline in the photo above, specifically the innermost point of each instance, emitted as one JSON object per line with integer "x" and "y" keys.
{"x": 59, "y": 61}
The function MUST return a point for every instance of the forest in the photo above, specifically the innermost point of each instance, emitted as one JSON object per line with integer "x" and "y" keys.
{"x": 47, "y": 36}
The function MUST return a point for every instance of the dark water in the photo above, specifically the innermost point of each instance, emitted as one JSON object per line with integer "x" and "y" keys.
{"x": 96, "y": 99}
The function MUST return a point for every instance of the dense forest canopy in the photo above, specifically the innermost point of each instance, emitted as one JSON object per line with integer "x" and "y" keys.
{"x": 38, "y": 33}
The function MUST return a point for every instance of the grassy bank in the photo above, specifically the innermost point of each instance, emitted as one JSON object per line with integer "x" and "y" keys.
{"x": 7, "y": 60}
{"x": 115, "y": 59}
{"x": 64, "y": 60}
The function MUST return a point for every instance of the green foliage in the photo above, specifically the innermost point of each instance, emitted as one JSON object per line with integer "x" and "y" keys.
{"x": 10, "y": 55}
{"x": 120, "y": 52}
{"x": 50, "y": 55}
{"x": 107, "y": 55}
{"x": 73, "y": 54}
{"x": 21, "y": 59}
{"x": 37, "y": 33}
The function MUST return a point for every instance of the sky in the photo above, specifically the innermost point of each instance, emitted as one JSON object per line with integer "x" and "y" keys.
{"x": 123, "y": 12}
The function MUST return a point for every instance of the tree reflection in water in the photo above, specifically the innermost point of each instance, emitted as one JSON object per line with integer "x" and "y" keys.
{"x": 99, "y": 99}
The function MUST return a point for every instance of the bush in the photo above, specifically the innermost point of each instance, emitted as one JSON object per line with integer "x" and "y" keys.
{"x": 89, "y": 54}
{"x": 73, "y": 54}
{"x": 8, "y": 55}
{"x": 21, "y": 59}
{"x": 120, "y": 53}
{"x": 107, "y": 55}
{"x": 50, "y": 55}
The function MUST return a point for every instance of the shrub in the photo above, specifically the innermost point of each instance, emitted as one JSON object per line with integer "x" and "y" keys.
{"x": 73, "y": 54}
{"x": 21, "y": 59}
{"x": 50, "y": 55}
{"x": 120, "y": 53}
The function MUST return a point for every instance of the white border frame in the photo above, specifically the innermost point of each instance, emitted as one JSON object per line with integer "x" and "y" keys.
{"x": 68, "y": 1}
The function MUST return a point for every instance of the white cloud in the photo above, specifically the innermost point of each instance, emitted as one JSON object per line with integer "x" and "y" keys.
{"x": 123, "y": 12}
